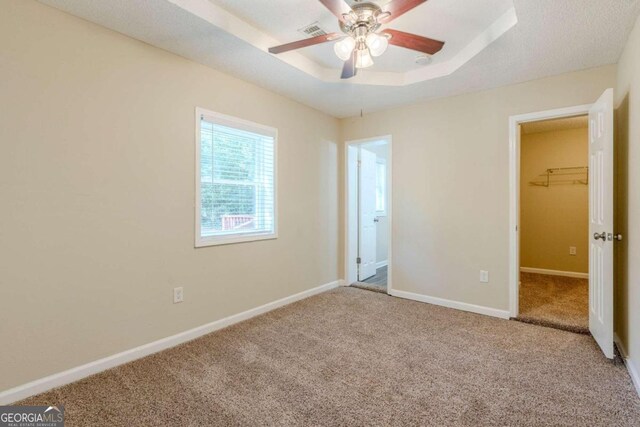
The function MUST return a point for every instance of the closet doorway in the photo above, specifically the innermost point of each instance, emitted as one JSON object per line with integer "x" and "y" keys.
{"x": 554, "y": 223}
{"x": 569, "y": 186}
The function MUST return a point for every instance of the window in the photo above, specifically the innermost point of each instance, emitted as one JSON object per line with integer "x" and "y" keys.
{"x": 381, "y": 187}
{"x": 236, "y": 182}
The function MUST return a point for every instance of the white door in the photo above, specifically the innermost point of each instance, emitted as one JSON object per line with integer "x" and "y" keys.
{"x": 601, "y": 222}
{"x": 367, "y": 215}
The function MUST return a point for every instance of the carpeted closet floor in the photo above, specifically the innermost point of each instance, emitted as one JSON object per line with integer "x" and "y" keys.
{"x": 555, "y": 301}
{"x": 377, "y": 283}
{"x": 359, "y": 358}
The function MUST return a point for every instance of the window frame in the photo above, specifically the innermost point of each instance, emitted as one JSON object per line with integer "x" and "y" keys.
{"x": 248, "y": 126}
{"x": 381, "y": 161}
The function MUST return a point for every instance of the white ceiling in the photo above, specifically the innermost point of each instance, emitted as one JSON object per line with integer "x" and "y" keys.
{"x": 551, "y": 37}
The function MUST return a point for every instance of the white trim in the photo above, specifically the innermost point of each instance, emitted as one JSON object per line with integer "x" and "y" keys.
{"x": 634, "y": 373}
{"x": 351, "y": 214}
{"x": 575, "y": 274}
{"x": 389, "y": 191}
{"x": 479, "y": 309}
{"x": 248, "y": 126}
{"x": 514, "y": 189}
{"x": 349, "y": 257}
{"x": 382, "y": 264}
{"x": 204, "y": 242}
{"x": 83, "y": 371}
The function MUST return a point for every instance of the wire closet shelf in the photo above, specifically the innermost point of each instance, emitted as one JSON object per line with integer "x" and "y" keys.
{"x": 577, "y": 175}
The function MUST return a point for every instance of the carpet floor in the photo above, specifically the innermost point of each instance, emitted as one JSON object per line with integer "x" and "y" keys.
{"x": 358, "y": 358}
{"x": 554, "y": 301}
{"x": 376, "y": 283}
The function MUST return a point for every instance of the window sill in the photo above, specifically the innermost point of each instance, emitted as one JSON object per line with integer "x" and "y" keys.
{"x": 203, "y": 242}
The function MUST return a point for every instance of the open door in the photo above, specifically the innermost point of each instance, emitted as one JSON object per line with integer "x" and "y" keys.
{"x": 367, "y": 215}
{"x": 601, "y": 222}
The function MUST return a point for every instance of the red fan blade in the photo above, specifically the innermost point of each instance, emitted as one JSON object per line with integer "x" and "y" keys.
{"x": 399, "y": 7}
{"x": 304, "y": 43}
{"x": 337, "y": 7}
{"x": 414, "y": 42}
{"x": 349, "y": 70}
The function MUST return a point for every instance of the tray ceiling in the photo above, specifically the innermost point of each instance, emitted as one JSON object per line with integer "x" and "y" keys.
{"x": 490, "y": 43}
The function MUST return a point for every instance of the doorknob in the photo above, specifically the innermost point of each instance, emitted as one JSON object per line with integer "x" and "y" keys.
{"x": 376, "y": 219}
{"x": 602, "y": 236}
{"x": 617, "y": 237}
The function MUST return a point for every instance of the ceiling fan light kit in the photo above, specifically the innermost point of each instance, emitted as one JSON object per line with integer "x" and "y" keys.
{"x": 344, "y": 48}
{"x": 363, "y": 58}
{"x": 377, "y": 43}
{"x": 361, "y": 40}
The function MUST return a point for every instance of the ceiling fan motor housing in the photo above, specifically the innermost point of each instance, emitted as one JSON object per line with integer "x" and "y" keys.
{"x": 362, "y": 21}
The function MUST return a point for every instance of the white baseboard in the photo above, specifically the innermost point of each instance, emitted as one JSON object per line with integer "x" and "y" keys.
{"x": 488, "y": 311}
{"x": 634, "y": 373}
{"x": 382, "y": 264}
{"x": 555, "y": 272}
{"x": 83, "y": 371}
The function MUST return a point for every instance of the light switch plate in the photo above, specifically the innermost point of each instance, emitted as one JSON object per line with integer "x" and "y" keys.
{"x": 572, "y": 250}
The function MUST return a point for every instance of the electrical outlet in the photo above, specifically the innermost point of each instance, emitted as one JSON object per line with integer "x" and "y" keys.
{"x": 484, "y": 276}
{"x": 178, "y": 295}
{"x": 572, "y": 250}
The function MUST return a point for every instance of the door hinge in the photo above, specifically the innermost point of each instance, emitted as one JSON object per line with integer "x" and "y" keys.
{"x": 358, "y": 260}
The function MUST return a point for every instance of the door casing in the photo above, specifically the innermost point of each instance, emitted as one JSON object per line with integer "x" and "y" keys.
{"x": 351, "y": 213}
{"x": 514, "y": 211}
{"x": 514, "y": 190}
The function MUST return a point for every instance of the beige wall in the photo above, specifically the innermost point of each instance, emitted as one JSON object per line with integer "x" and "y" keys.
{"x": 96, "y": 192}
{"x": 627, "y": 303}
{"x": 556, "y": 217}
{"x": 97, "y": 195}
{"x": 451, "y": 182}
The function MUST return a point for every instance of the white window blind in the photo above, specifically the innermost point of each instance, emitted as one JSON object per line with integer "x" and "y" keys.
{"x": 237, "y": 180}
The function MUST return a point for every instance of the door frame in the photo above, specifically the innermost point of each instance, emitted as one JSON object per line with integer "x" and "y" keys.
{"x": 514, "y": 190}
{"x": 351, "y": 216}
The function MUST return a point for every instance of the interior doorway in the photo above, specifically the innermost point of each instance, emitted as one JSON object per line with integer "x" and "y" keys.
{"x": 554, "y": 223}
{"x": 368, "y": 245}
{"x": 600, "y": 234}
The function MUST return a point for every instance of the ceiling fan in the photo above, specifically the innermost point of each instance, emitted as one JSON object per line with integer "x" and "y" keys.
{"x": 361, "y": 39}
